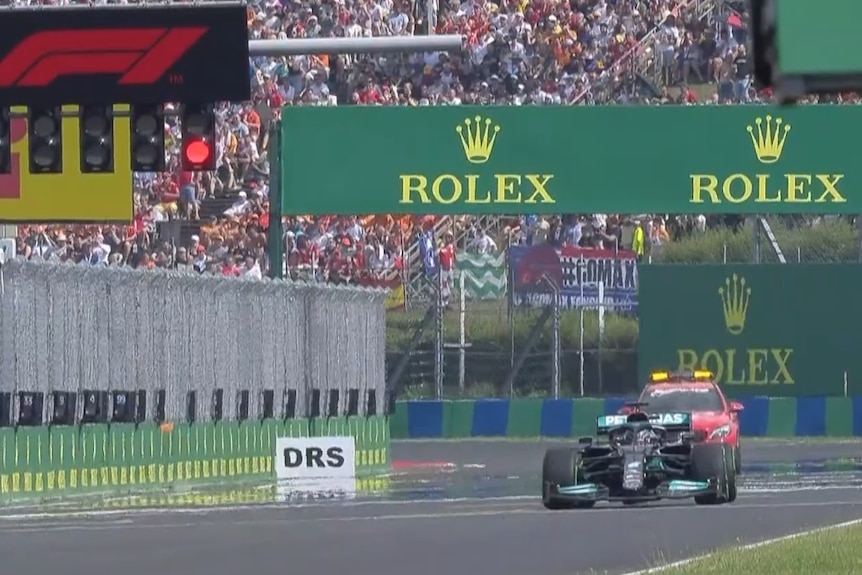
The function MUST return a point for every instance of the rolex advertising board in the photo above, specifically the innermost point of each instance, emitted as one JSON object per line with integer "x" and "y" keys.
{"x": 557, "y": 159}
{"x": 771, "y": 329}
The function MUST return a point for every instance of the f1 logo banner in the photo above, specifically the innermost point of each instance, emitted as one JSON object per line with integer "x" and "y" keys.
{"x": 127, "y": 54}
{"x": 315, "y": 457}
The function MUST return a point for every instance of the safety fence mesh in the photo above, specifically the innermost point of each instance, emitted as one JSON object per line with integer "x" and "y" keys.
{"x": 75, "y": 329}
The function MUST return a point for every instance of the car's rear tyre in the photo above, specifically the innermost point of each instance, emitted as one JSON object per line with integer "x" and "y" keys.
{"x": 560, "y": 467}
{"x": 710, "y": 461}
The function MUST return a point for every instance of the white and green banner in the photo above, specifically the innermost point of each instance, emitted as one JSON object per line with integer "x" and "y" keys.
{"x": 484, "y": 274}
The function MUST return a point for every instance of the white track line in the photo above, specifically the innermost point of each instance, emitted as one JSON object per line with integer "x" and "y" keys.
{"x": 56, "y": 512}
{"x": 747, "y": 547}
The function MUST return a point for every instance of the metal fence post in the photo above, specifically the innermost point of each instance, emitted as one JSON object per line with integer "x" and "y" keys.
{"x": 438, "y": 338}
{"x": 555, "y": 341}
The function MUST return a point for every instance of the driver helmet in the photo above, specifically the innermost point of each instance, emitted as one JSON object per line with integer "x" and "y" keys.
{"x": 645, "y": 435}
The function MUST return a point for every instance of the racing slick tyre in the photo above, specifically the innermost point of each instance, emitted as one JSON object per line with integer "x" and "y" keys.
{"x": 559, "y": 467}
{"x": 714, "y": 460}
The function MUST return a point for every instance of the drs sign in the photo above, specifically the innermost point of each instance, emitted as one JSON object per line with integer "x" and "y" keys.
{"x": 315, "y": 457}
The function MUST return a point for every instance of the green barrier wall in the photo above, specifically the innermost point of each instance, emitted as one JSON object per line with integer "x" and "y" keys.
{"x": 576, "y": 417}
{"x": 73, "y": 460}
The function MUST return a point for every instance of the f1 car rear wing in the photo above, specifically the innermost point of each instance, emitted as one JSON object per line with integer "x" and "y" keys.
{"x": 670, "y": 421}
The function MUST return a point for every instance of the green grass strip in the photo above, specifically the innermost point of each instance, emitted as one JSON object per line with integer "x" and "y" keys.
{"x": 831, "y": 551}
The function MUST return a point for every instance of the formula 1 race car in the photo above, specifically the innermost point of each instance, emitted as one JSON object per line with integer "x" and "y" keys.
{"x": 635, "y": 458}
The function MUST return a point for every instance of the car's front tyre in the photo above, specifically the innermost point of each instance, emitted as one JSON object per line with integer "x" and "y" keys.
{"x": 560, "y": 467}
{"x": 714, "y": 460}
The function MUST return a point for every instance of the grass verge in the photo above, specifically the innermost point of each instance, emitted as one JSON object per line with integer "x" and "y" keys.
{"x": 830, "y": 551}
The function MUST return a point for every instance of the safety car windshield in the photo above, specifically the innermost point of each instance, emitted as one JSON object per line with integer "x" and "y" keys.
{"x": 666, "y": 398}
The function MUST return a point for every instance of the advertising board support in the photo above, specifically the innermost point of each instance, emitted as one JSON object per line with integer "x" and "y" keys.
{"x": 442, "y": 300}
{"x": 601, "y": 308}
{"x": 756, "y": 235}
{"x": 275, "y": 233}
{"x": 581, "y": 348}
{"x": 555, "y": 341}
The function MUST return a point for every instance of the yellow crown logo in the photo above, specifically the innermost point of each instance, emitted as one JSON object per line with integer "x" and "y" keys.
{"x": 734, "y": 299}
{"x": 769, "y": 140}
{"x": 477, "y": 138}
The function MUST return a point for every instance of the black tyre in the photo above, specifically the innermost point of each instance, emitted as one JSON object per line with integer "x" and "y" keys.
{"x": 737, "y": 459}
{"x": 559, "y": 467}
{"x": 714, "y": 461}
{"x": 732, "y": 458}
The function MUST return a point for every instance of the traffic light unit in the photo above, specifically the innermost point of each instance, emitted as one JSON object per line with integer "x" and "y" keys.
{"x": 45, "y": 131}
{"x": 197, "y": 123}
{"x": 96, "y": 138}
{"x": 148, "y": 138}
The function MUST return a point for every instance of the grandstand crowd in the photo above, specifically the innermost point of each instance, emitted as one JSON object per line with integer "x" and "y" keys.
{"x": 520, "y": 52}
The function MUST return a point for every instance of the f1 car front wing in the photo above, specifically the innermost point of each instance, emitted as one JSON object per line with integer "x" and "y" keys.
{"x": 672, "y": 489}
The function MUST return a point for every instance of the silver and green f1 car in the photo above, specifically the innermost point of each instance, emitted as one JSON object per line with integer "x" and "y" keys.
{"x": 638, "y": 457}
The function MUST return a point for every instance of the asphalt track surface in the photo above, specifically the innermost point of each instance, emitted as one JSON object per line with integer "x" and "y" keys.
{"x": 498, "y": 536}
{"x": 517, "y": 457}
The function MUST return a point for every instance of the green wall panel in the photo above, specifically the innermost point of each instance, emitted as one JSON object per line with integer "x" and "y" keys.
{"x": 839, "y": 417}
{"x": 60, "y": 461}
{"x": 398, "y": 421}
{"x": 782, "y": 417}
{"x": 458, "y": 419}
{"x": 584, "y": 413}
{"x": 525, "y": 418}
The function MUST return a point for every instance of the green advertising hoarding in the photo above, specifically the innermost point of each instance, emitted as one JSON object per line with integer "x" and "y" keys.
{"x": 555, "y": 159}
{"x": 821, "y": 41}
{"x": 771, "y": 329}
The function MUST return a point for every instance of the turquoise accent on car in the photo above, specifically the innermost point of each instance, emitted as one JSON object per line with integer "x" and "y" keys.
{"x": 578, "y": 489}
{"x": 679, "y": 485}
{"x": 666, "y": 419}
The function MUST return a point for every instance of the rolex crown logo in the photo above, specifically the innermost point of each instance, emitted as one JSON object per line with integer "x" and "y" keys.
{"x": 477, "y": 138}
{"x": 768, "y": 138}
{"x": 734, "y": 299}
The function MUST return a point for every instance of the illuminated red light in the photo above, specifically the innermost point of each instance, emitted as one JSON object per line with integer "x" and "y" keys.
{"x": 197, "y": 152}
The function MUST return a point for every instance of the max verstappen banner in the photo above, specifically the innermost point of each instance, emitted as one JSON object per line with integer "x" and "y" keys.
{"x": 577, "y": 272}
{"x": 128, "y": 54}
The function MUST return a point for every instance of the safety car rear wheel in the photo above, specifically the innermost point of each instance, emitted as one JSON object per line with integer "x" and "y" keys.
{"x": 560, "y": 467}
{"x": 710, "y": 461}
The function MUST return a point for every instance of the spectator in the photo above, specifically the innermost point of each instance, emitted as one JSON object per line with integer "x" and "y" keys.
{"x": 483, "y": 243}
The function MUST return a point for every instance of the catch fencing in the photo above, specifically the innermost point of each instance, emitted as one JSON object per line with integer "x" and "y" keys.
{"x": 305, "y": 350}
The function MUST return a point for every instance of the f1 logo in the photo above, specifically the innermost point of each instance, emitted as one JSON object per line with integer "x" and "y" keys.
{"x": 140, "y": 55}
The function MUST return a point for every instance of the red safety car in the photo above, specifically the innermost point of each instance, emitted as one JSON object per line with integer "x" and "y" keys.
{"x": 715, "y": 419}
